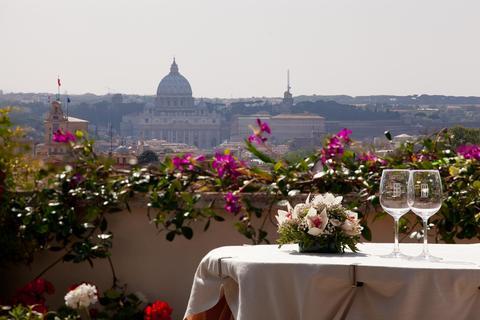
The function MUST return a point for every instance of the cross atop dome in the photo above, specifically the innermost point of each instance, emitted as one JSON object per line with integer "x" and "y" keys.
{"x": 174, "y": 67}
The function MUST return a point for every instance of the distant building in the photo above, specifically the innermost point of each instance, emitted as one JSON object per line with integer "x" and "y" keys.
{"x": 287, "y": 102}
{"x": 117, "y": 98}
{"x": 175, "y": 117}
{"x": 302, "y": 129}
{"x": 55, "y": 120}
{"x": 123, "y": 157}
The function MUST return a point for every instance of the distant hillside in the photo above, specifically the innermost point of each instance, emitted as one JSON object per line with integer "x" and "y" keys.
{"x": 334, "y": 111}
{"x": 411, "y": 100}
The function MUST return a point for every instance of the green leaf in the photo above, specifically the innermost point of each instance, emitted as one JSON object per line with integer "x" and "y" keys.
{"x": 260, "y": 155}
{"x": 171, "y": 235}
{"x": 218, "y": 218}
{"x": 278, "y": 165}
{"x": 187, "y": 232}
{"x": 367, "y": 233}
{"x": 476, "y": 184}
{"x": 207, "y": 225}
{"x": 112, "y": 294}
{"x": 103, "y": 225}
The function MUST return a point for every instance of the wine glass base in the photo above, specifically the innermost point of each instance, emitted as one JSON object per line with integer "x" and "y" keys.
{"x": 395, "y": 255}
{"x": 426, "y": 257}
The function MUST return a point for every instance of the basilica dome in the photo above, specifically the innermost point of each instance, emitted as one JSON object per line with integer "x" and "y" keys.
{"x": 174, "y": 84}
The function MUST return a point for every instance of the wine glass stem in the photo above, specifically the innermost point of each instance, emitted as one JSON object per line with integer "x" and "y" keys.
{"x": 396, "y": 248}
{"x": 425, "y": 237}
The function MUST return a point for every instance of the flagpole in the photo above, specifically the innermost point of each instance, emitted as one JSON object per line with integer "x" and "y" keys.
{"x": 66, "y": 109}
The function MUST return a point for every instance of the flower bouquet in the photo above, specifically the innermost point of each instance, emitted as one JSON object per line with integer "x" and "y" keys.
{"x": 320, "y": 225}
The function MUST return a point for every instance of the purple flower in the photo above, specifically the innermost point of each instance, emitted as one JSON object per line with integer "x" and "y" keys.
{"x": 187, "y": 161}
{"x": 469, "y": 151}
{"x": 231, "y": 203}
{"x": 226, "y": 165}
{"x": 59, "y": 136}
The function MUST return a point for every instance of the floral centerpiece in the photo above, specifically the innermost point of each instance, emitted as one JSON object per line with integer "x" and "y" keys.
{"x": 319, "y": 225}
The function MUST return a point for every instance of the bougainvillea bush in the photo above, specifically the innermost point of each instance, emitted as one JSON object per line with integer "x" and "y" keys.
{"x": 66, "y": 207}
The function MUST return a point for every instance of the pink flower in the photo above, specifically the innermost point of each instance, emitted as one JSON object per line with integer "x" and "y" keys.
{"x": 187, "y": 161}
{"x": 336, "y": 146}
{"x": 257, "y": 135}
{"x": 371, "y": 158}
{"x": 257, "y": 139}
{"x": 264, "y": 127}
{"x": 344, "y": 134}
{"x": 469, "y": 151}
{"x": 59, "y": 136}
{"x": 226, "y": 165}
{"x": 231, "y": 203}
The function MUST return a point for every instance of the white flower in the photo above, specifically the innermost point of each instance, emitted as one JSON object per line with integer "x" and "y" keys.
{"x": 283, "y": 216}
{"x": 142, "y": 297}
{"x": 82, "y": 296}
{"x": 352, "y": 215}
{"x": 316, "y": 222}
{"x": 335, "y": 222}
{"x": 300, "y": 209}
{"x": 351, "y": 226}
{"x": 327, "y": 199}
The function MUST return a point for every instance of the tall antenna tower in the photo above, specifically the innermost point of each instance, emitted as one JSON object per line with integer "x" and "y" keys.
{"x": 288, "y": 80}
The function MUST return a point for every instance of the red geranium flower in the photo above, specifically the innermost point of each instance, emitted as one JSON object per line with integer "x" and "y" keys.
{"x": 159, "y": 310}
{"x": 33, "y": 294}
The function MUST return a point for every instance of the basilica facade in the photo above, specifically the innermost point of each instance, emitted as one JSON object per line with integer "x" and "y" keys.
{"x": 175, "y": 117}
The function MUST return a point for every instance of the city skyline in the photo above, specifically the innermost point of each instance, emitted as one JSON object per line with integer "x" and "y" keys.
{"x": 242, "y": 49}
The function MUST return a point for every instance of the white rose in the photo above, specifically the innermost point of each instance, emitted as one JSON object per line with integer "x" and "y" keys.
{"x": 82, "y": 296}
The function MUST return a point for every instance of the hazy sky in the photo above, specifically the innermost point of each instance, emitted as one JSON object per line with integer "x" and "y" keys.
{"x": 242, "y": 48}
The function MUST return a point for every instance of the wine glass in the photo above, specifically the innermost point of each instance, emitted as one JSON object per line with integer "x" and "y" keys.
{"x": 394, "y": 200}
{"x": 425, "y": 199}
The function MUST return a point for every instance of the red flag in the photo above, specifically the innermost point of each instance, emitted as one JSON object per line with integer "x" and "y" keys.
{"x": 58, "y": 81}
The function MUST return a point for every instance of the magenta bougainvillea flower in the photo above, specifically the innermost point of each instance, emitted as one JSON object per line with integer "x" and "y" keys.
{"x": 264, "y": 127}
{"x": 226, "y": 165}
{"x": 372, "y": 158}
{"x": 469, "y": 151}
{"x": 231, "y": 203}
{"x": 344, "y": 134}
{"x": 59, "y": 136}
{"x": 258, "y": 132}
{"x": 257, "y": 139}
{"x": 187, "y": 161}
{"x": 336, "y": 145}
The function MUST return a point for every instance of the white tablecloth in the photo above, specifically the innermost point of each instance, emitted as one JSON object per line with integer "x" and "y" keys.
{"x": 267, "y": 282}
